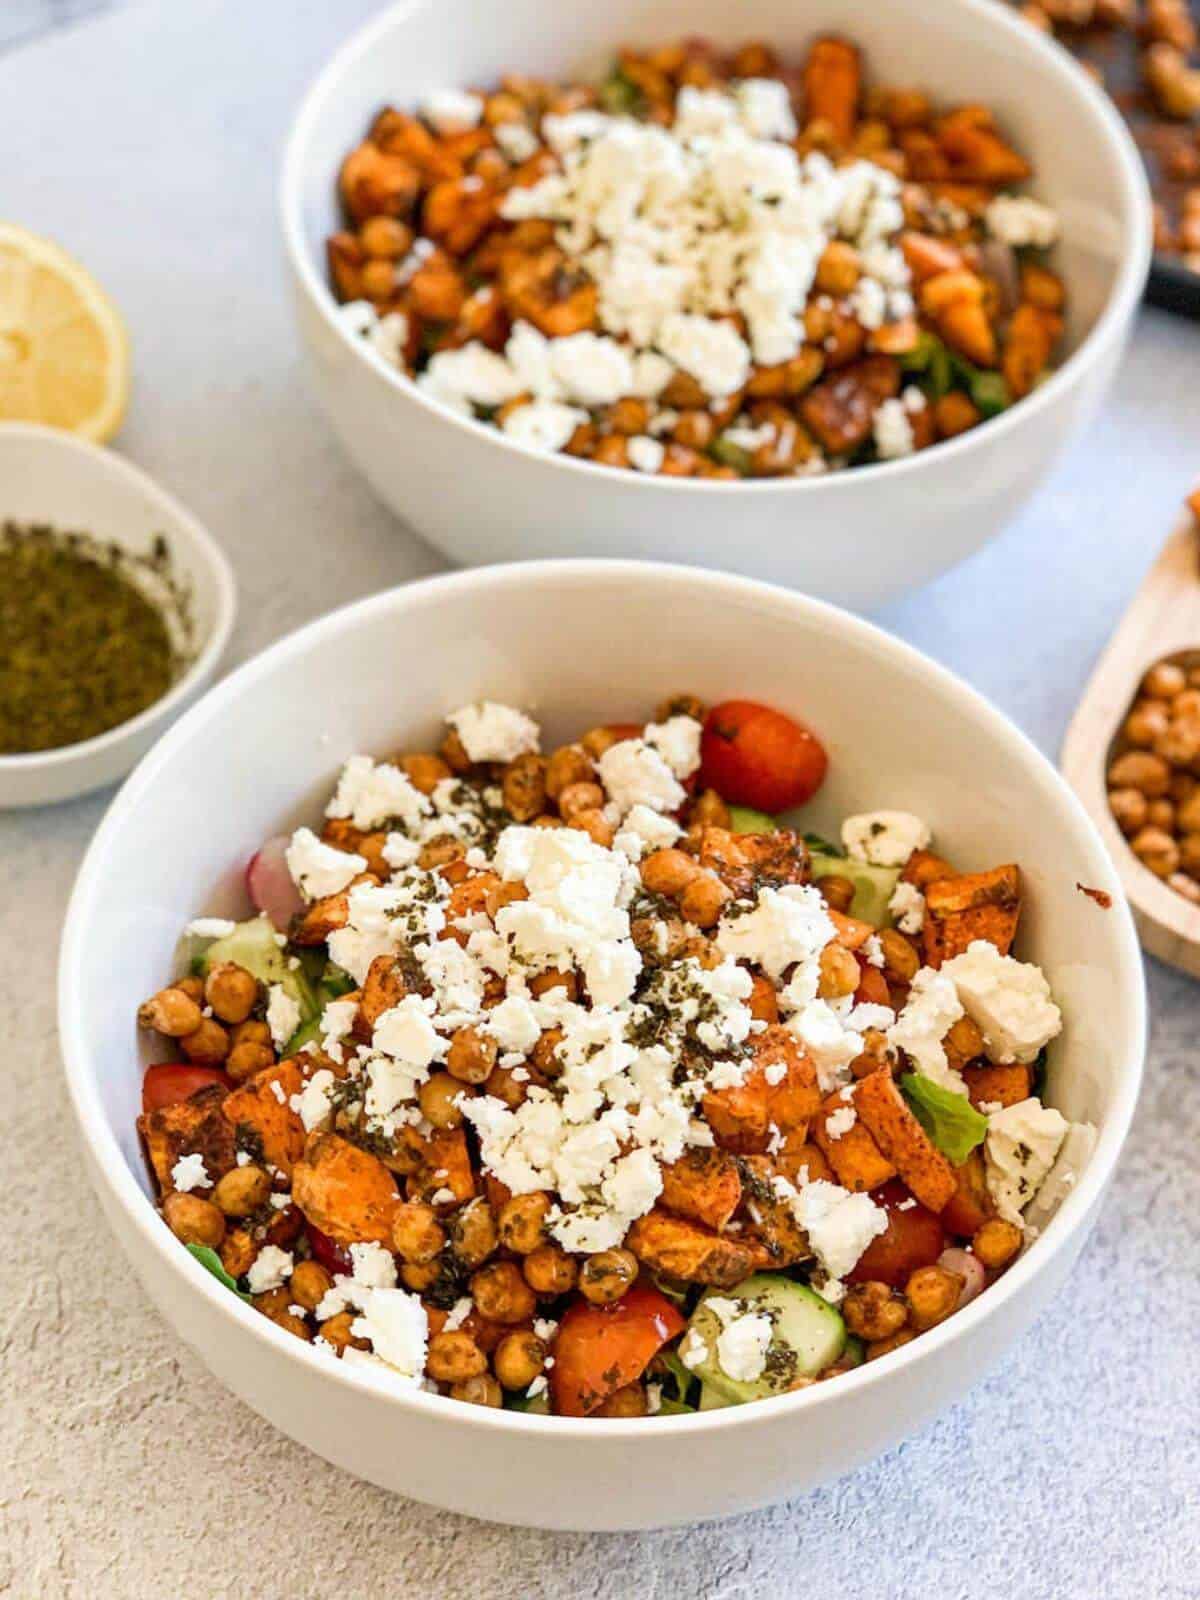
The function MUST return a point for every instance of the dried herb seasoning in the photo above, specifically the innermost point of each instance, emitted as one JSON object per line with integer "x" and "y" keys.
{"x": 82, "y": 649}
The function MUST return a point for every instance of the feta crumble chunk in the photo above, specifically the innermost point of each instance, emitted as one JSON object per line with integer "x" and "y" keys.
{"x": 1009, "y": 1000}
{"x": 884, "y": 838}
{"x": 270, "y": 1269}
{"x": 1020, "y": 1148}
{"x": 189, "y": 1173}
{"x": 493, "y": 732}
{"x": 742, "y": 1346}
{"x": 283, "y": 1014}
{"x": 318, "y": 869}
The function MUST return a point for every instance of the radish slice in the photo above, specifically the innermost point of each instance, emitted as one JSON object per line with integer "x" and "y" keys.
{"x": 269, "y": 883}
{"x": 969, "y": 1268}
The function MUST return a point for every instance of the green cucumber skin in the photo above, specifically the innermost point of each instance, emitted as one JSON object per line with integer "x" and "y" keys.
{"x": 745, "y": 819}
{"x": 804, "y": 1323}
{"x": 252, "y": 944}
{"x": 873, "y": 886}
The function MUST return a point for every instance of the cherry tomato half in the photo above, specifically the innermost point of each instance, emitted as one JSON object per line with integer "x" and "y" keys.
{"x": 914, "y": 1238}
{"x": 599, "y": 1349}
{"x": 755, "y": 756}
{"x": 171, "y": 1081}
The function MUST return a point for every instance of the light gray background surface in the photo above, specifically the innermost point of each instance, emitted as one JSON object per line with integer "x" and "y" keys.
{"x": 146, "y": 140}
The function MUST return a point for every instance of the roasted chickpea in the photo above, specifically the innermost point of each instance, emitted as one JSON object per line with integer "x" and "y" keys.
{"x": 420, "y": 1275}
{"x": 501, "y": 1293}
{"x": 627, "y": 1402}
{"x": 884, "y": 1347}
{"x": 1189, "y": 853}
{"x": 873, "y": 1311}
{"x": 417, "y": 1235}
{"x": 901, "y": 963}
{"x": 170, "y": 1012}
{"x": 1129, "y": 808}
{"x": 1156, "y": 850}
{"x": 932, "y": 1294}
{"x": 838, "y": 973}
{"x": 1147, "y": 720}
{"x": 996, "y": 1243}
{"x": 522, "y": 1222}
{"x": 519, "y": 1358}
{"x": 549, "y": 1270}
{"x": 680, "y": 705}
{"x": 668, "y": 872}
{"x": 473, "y": 1233}
{"x": 251, "y": 1032}
{"x": 471, "y": 1056}
{"x": 1140, "y": 769}
{"x": 242, "y": 1190}
{"x": 441, "y": 851}
{"x": 1164, "y": 681}
{"x": 309, "y": 1284}
{"x": 703, "y": 900}
{"x": 543, "y": 982}
{"x": 964, "y": 1042}
{"x": 438, "y": 1098}
{"x": 336, "y": 1332}
{"x": 606, "y": 1276}
{"x": 193, "y": 987}
{"x": 1161, "y": 814}
{"x": 207, "y": 1045}
{"x": 709, "y": 810}
{"x": 501, "y": 1084}
{"x": 570, "y": 764}
{"x": 1188, "y": 811}
{"x": 386, "y": 237}
{"x": 524, "y": 786}
{"x": 454, "y": 1357}
{"x": 244, "y": 1060}
{"x": 425, "y": 770}
{"x": 595, "y": 824}
{"x": 480, "y": 1391}
{"x": 194, "y": 1220}
{"x": 836, "y": 891}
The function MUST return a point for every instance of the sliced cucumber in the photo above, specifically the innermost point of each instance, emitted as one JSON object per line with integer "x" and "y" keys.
{"x": 712, "y": 1399}
{"x": 807, "y": 1335}
{"x": 253, "y": 945}
{"x": 873, "y": 886}
{"x": 745, "y": 819}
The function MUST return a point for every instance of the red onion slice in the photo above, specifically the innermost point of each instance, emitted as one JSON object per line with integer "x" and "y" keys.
{"x": 969, "y": 1268}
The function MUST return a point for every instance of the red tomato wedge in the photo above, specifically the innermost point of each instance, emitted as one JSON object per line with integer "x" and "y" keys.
{"x": 171, "y": 1081}
{"x": 914, "y": 1238}
{"x": 330, "y": 1255}
{"x": 755, "y": 756}
{"x": 599, "y": 1349}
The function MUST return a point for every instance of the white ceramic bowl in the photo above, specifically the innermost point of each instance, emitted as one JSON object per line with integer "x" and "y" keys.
{"x": 49, "y": 476}
{"x": 857, "y": 537}
{"x": 581, "y": 643}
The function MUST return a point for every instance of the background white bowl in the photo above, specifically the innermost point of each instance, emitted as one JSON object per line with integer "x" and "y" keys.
{"x": 49, "y": 476}
{"x": 581, "y": 643}
{"x": 858, "y": 537}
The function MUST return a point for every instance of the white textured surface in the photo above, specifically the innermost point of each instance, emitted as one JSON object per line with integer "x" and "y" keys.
{"x": 148, "y": 143}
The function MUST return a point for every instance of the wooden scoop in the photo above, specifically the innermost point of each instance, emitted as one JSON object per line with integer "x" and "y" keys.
{"x": 1162, "y": 622}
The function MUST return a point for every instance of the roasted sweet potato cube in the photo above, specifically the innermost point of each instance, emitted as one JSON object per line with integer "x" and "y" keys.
{"x": 903, "y": 1141}
{"x": 832, "y": 78}
{"x": 927, "y": 256}
{"x": 684, "y": 1249}
{"x": 857, "y": 1161}
{"x": 344, "y": 1191}
{"x": 262, "y": 1106}
{"x": 976, "y": 152}
{"x": 973, "y": 905}
{"x": 745, "y": 1117}
{"x": 189, "y": 1127}
{"x": 325, "y": 916}
{"x": 384, "y": 988}
{"x": 746, "y": 862}
{"x": 850, "y": 932}
{"x": 704, "y": 1185}
{"x": 802, "y": 1163}
{"x": 924, "y": 868}
{"x": 1006, "y": 1086}
{"x": 840, "y": 409}
{"x": 774, "y": 1221}
{"x": 443, "y": 1164}
{"x": 238, "y": 1250}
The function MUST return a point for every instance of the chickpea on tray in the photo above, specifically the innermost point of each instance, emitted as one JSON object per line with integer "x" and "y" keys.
{"x": 708, "y": 265}
{"x": 580, "y": 1083}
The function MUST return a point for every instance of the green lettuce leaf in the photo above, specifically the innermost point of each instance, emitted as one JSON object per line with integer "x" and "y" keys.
{"x": 949, "y": 1119}
{"x": 211, "y": 1262}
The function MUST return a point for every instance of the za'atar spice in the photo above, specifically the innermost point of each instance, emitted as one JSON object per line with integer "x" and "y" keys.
{"x": 81, "y": 647}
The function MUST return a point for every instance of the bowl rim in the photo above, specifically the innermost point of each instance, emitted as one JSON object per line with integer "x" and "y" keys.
{"x": 140, "y": 484}
{"x": 109, "y": 1164}
{"x": 1073, "y": 86}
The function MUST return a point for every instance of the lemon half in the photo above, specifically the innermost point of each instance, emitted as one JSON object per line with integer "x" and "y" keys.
{"x": 64, "y": 352}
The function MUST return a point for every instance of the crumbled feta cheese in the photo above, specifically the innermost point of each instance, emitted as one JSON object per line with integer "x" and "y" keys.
{"x": 931, "y": 1010}
{"x": 270, "y": 1269}
{"x": 492, "y": 732}
{"x": 643, "y": 830}
{"x": 714, "y": 353}
{"x": 788, "y": 925}
{"x": 839, "y": 1225}
{"x": 189, "y": 1173}
{"x": 370, "y": 795}
{"x": 765, "y": 108}
{"x": 1018, "y": 220}
{"x": 742, "y": 1347}
{"x": 450, "y": 111}
{"x": 831, "y": 1044}
{"x": 543, "y": 424}
{"x": 634, "y": 773}
{"x": 373, "y": 1265}
{"x": 474, "y": 374}
{"x": 884, "y": 838}
{"x": 593, "y": 369}
{"x": 396, "y": 1324}
{"x": 693, "y": 1351}
{"x": 283, "y": 1014}
{"x": 1020, "y": 1147}
{"x": 388, "y": 337}
{"x": 318, "y": 869}
{"x": 907, "y": 906}
{"x": 840, "y": 1122}
{"x": 893, "y": 431}
{"x": 1008, "y": 1000}
{"x": 646, "y": 454}
{"x": 406, "y": 1032}
{"x": 210, "y": 927}
{"x": 517, "y": 142}
{"x": 677, "y": 740}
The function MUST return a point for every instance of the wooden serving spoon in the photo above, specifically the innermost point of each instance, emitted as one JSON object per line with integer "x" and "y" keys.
{"x": 1162, "y": 623}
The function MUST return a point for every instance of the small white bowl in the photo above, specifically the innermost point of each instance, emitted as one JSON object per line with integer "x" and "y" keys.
{"x": 51, "y": 477}
{"x": 857, "y": 537}
{"x": 581, "y": 643}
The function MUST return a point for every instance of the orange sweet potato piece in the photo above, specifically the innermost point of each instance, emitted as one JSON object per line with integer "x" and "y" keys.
{"x": 703, "y": 1185}
{"x": 901, "y": 1138}
{"x": 746, "y": 862}
{"x": 928, "y": 256}
{"x": 256, "y": 1105}
{"x": 802, "y": 1162}
{"x": 383, "y": 988}
{"x": 832, "y": 78}
{"x": 849, "y": 932}
{"x": 1031, "y": 338}
{"x": 857, "y": 1161}
{"x": 743, "y": 1117}
{"x": 344, "y": 1191}
{"x": 975, "y": 150}
{"x": 444, "y": 1163}
{"x": 964, "y": 325}
{"x": 685, "y": 1250}
{"x": 972, "y": 905}
{"x": 774, "y": 1222}
{"x": 189, "y": 1127}
{"x": 840, "y": 409}
{"x": 1005, "y": 1086}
